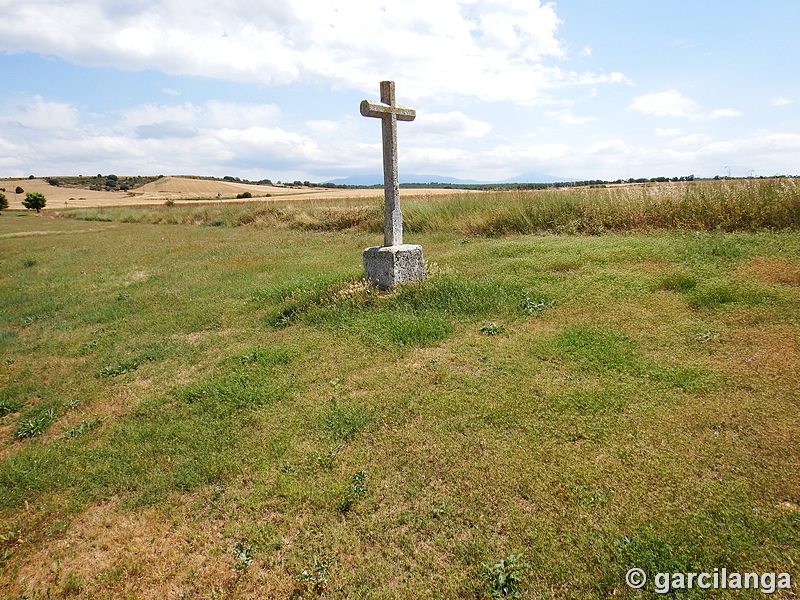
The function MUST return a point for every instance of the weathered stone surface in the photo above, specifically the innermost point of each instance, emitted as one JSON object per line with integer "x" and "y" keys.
{"x": 388, "y": 266}
{"x": 393, "y": 263}
{"x": 389, "y": 113}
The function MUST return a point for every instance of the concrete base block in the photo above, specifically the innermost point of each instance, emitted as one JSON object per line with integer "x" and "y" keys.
{"x": 388, "y": 266}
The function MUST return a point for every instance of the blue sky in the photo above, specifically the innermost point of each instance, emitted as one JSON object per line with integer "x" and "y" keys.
{"x": 581, "y": 89}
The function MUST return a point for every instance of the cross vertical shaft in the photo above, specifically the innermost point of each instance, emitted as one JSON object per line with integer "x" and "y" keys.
{"x": 392, "y": 216}
{"x": 389, "y": 113}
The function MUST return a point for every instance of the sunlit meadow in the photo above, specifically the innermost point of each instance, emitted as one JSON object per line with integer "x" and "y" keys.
{"x": 207, "y": 402}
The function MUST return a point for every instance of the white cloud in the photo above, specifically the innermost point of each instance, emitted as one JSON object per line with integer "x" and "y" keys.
{"x": 780, "y": 101}
{"x": 694, "y": 140}
{"x": 723, "y": 113}
{"x": 665, "y": 104}
{"x": 673, "y": 104}
{"x": 683, "y": 44}
{"x": 36, "y": 113}
{"x": 668, "y": 132}
{"x": 454, "y": 124}
{"x": 154, "y": 139}
{"x": 490, "y": 49}
{"x": 567, "y": 118}
{"x": 213, "y": 114}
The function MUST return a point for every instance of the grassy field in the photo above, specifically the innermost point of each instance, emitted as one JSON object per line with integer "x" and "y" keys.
{"x": 228, "y": 412}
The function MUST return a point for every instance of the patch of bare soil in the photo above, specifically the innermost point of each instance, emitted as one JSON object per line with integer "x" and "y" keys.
{"x": 108, "y": 552}
{"x": 773, "y": 270}
{"x": 762, "y": 356}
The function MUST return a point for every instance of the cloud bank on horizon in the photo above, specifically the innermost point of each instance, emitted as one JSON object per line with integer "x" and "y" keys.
{"x": 502, "y": 87}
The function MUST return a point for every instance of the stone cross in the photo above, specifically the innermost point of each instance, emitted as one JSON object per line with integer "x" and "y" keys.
{"x": 389, "y": 113}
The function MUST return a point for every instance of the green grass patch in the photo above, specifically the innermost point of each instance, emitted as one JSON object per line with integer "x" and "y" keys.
{"x": 7, "y": 337}
{"x": 344, "y": 422}
{"x": 11, "y": 400}
{"x": 246, "y": 381}
{"x": 716, "y": 293}
{"x": 598, "y": 350}
{"x": 179, "y": 445}
{"x": 152, "y": 352}
{"x": 678, "y": 282}
{"x": 414, "y": 315}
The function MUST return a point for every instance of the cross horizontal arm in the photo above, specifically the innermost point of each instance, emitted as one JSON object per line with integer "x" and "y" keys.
{"x": 380, "y": 110}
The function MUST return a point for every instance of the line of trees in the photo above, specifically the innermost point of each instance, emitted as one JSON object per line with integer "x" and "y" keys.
{"x": 100, "y": 182}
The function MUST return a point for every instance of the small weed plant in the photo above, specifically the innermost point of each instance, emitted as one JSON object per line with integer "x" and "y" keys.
{"x": 535, "y": 306}
{"x": 354, "y": 492}
{"x": 315, "y": 577}
{"x": 504, "y": 578}
{"x": 120, "y": 368}
{"x": 493, "y": 329}
{"x": 35, "y": 424}
{"x": 83, "y": 427}
{"x": 243, "y": 553}
{"x": 72, "y": 584}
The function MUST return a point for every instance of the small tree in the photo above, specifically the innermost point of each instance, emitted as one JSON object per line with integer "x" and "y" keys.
{"x": 3, "y": 201}
{"x": 19, "y": 190}
{"x": 34, "y": 200}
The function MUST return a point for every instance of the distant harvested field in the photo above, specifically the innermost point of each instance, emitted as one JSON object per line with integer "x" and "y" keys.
{"x": 181, "y": 190}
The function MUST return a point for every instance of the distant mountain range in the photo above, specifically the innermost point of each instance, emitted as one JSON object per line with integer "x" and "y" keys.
{"x": 377, "y": 179}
